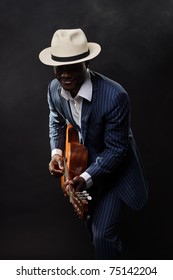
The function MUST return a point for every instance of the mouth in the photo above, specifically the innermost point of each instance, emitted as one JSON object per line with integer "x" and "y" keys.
{"x": 67, "y": 83}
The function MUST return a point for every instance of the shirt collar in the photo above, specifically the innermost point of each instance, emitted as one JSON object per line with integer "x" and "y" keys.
{"x": 84, "y": 92}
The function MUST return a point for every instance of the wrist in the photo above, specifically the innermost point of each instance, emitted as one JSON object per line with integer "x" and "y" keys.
{"x": 56, "y": 152}
{"x": 88, "y": 179}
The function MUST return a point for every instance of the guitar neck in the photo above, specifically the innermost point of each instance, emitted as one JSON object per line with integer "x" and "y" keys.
{"x": 75, "y": 163}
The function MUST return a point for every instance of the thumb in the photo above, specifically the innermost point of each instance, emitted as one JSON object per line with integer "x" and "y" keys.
{"x": 60, "y": 163}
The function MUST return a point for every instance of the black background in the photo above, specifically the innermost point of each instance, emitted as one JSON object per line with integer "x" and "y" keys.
{"x": 137, "y": 51}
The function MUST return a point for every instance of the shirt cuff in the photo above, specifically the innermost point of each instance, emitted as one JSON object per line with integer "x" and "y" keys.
{"x": 88, "y": 179}
{"x": 56, "y": 152}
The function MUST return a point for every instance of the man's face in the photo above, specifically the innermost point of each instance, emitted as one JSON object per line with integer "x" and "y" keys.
{"x": 71, "y": 77}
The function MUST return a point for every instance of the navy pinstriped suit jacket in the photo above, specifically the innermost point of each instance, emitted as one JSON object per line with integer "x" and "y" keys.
{"x": 105, "y": 128}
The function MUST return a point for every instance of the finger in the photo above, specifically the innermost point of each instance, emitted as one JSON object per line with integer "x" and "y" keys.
{"x": 75, "y": 181}
{"x": 66, "y": 183}
{"x": 56, "y": 172}
{"x": 65, "y": 190}
{"x": 60, "y": 164}
{"x": 69, "y": 181}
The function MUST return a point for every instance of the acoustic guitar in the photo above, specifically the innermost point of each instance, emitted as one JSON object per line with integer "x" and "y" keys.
{"x": 75, "y": 162}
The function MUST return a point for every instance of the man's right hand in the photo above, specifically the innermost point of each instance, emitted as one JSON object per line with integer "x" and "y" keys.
{"x": 56, "y": 166}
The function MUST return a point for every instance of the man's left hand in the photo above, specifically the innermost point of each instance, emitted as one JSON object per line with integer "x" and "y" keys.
{"x": 78, "y": 184}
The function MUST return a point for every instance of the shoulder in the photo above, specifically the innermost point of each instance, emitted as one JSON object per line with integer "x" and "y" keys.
{"x": 107, "y": 87}
{"x": 54, "y": 89}
{"x": 105, "y": 81}
{"x": 54, "y": 85}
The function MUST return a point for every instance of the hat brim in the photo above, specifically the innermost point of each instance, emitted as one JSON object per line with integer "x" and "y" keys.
{"x": 45, "y": 56}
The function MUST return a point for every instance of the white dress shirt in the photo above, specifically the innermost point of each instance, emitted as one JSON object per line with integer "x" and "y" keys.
{"x": 76, "y": 109}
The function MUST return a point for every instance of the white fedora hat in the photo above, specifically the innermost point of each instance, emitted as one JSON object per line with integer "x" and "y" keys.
{"x": 69, "y": 46}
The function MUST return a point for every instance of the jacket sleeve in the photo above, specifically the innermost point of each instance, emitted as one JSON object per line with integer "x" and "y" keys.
{"x": 57, "y": 123}
{"x": 115, "y": 137}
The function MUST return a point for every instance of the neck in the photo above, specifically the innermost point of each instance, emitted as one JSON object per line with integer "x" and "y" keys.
{"x": 74, "y": 93}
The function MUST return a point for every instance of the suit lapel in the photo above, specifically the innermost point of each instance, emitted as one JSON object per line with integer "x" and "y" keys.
{"x": 67, "y": 112}
{"x": 87, "y": 108}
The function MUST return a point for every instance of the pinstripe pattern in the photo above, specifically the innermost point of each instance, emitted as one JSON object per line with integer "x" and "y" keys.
{"x": 114, "y": 160}
{"x": 105, "y": 225}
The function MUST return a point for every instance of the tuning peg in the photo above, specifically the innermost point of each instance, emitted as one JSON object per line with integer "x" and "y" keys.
{"x": 84, "y": 195}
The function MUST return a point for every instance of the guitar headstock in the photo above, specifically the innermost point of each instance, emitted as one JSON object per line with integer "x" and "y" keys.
{"x": 79, "y": 201}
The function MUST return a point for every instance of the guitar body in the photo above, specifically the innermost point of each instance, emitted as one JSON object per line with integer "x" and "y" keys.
{"x": 76, "y": 156}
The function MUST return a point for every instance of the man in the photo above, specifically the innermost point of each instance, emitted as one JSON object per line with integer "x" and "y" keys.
{"x": 99, "y": 109}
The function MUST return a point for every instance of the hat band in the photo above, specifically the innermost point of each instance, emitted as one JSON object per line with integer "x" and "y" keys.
{"x": 70, "y": 58}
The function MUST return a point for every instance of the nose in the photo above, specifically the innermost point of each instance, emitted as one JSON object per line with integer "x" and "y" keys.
{"x": 65, "y": 74}
{"x": 65, "y": 71}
